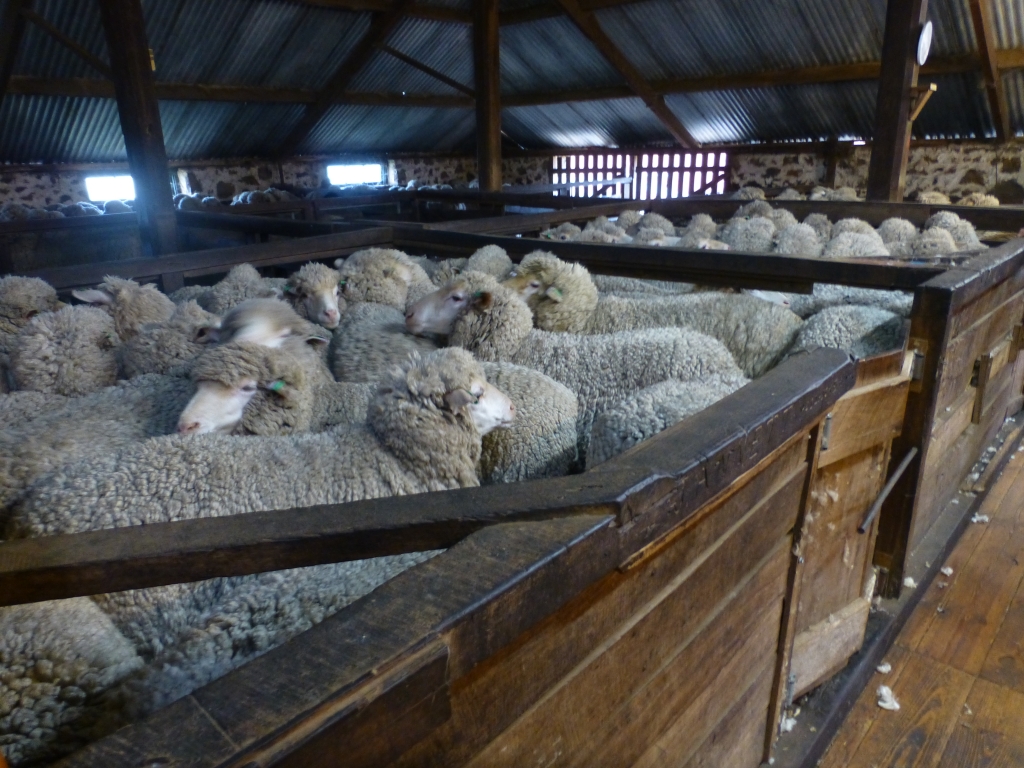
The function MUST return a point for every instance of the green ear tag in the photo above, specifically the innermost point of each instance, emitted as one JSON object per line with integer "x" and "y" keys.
{"x": 342, "y": 281}
{"x": 276, "y": 386}
{"x": 478, "y": 294}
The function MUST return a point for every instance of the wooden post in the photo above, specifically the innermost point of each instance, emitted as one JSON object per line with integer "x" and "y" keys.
{"x": 985, "y": 36}
{"x": 488, "y": 94}
{"x": 887, "y": 172}
{"x": 12, "y": 29}
{"x": 139, "y": 111}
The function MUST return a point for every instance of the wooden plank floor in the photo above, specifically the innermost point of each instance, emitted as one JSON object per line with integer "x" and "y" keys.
{"x": 958, "y": 664}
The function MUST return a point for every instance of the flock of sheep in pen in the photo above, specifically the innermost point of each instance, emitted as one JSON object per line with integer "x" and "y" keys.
{"x": 384, "y": 375}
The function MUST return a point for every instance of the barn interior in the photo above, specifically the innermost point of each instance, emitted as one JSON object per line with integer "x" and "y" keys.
{"x": 292, "y": 290}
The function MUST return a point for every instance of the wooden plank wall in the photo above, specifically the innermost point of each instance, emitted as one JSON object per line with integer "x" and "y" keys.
{"x": 30, "y": 245}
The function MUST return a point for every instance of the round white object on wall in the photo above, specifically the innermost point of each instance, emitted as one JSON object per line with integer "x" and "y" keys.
{"x": 924, "y": 43}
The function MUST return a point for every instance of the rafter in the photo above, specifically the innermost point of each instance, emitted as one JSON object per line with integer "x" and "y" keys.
{"x": 587, "y": 24}
{"x": 985, "y": 35}
{"x": 418, "y": 10}
{"x": 80, "y": 50}
{"x": 381, "y": 26}
{"x": 440, "y": 76}
{"x": 12, "y": 29}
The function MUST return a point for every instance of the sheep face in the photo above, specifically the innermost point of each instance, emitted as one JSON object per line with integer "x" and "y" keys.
{"x": 320, "y": 306}
{"x": 267, "y": 322}
{"x": 436, "y": 312}
{"x": 489, "y": 407}
{"x": 216, "y": 407}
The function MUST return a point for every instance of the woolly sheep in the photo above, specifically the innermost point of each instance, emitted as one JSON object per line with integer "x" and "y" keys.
{"x": 931, "y": 243}
{"x": 853, "y": 225}
{"x": 491, "y": 260}
{"x": 758, "y": 207}
{"x": 700, "y": 227}
{"x": 18, "y": 407}
{"x": 652, "y": 237}
{"x": 564, "y": 232}
{"x": 634, "y": 285}
{"x": 67, "y": 352}
{"x": 752, "y": 235}
{"x": 56, "y": 657}
{"x": 828, "y": 295}
{"x": 657, "y": 221}
{"x": 600, "y": 225}
{"x": 493, "y": 322}
{"x": 842, "y": 193}
{"x": 821, "y": 225}
{"x": 628, "y": 218}
{"x": 654, "y": 409}
{"x": 597, "y": 236}
{"x": 563, "y": 298}
{"x": 855, "y": 245}
{"x": 933, "y": 198}
{"x": 269, "y": 322}
{"x": 370, "y": 340}
{"x": 798, "y": 240}
{"x": 748, "y": 193}
{"x": 980, "y": 198}
{"x": 422, "y": 433}
{"x": 962, "y": 231}
{"x": 188, "y": 293}
{"x": 315, "y": 293}
{"x": 861, "y": 331}
{"x": 790, "y": 194}
{"x": 384, "y": 276}
{"x": 21, "y": 299}
{"x": 169, "y": 347}
{"x": 129, "y": 304}
{"x": 897, "y": 230}
{"x": 782, "y": 218}
{"x": 116, "y": 206}
{"x": 243, "y": 282}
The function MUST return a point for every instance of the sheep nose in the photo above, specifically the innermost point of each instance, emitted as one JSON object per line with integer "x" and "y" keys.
{"x": 330, "y": 315}
{"x": 512, "y": 408}
{"x": 188, "y": 427}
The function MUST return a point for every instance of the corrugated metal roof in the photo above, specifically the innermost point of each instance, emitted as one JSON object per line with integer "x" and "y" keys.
{"x": 39, "y": 55}
{"x": 619, "y": 122}
{"x": 442, "y": 46}
{"x": 47, "y": 129}
{"x": 194, "y": 129}
{"x": 551, "y": 55}
{"x": 1013, "y": 82}
{"x": 1009, "y": 18}
{"x": 349, "y": 128}
{"x": 958, "y": 110}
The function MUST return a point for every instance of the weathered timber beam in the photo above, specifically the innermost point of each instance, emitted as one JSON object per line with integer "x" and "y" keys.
{"x": 487, "y": 77}
{"x": 985, "y": 36}
{"x": 139, "y": 112}
{"x": 81, "y": 51}
{"x": 588, "y": 25}
{"x": 382, "y": 26}
{"x": 12, "y": 29}
{"x": 418, "y": 10}
{"x": 887, "y": 171}
{"x": 551, "y": 10}
{"x": 440, "y": 76}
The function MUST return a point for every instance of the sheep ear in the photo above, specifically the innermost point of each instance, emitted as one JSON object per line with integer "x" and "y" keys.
{"x": 316, "y": 341}
{"x": 93, "y": 296}
{"x": 291, "y": 290}
{"x": 458, "y": 398}
{"x": 207, "y": 334}
{"x": 483, "y": 299}
{"x": 553, "y": 293}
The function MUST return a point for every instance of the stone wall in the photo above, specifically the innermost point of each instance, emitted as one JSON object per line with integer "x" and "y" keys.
{"x": 954, "y": 169}
{"x": 462, "y": 170}
{"x": 42, "y": 189}
{"x": 226, "y": 181}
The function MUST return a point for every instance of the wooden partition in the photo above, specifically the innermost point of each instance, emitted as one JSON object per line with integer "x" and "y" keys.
{"x": 37, "y": 243}
{"x": 639, "y": 612}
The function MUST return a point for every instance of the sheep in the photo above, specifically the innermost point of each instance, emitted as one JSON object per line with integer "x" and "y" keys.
{"x": 241, "y": 283}
{"x": 563, "y": 298}
{"x": 980, "y": 198}
{"x": 56, "y": 658}
{"x": 700, "y": 228}
{"x": 491, "y": 260}
{"x": 492, "y": 321}
{"x": 842, "y": 193}
{"x": 634, "y": 285}
{"x": 67, "y": 352}
{"x": 18, "y": 407}
{"x": 855, "y": 245}
{"x": 188, "y": 293}
{"x": 371, "y": 338}
{"x": 21, "y": 299}
{"x": 828, "y": 295}
{"x": 748, "y": 193}
{"x": 116, "y": 206}
{"x": 422, "y": 433}
{"x": 384, "y": 276}
{"x": 628, "y": 218}
{"x": 654, "y": 409}
{"x": 169, "y": 347}
{"x": 861, "y": 331}
{"x": 781, "y": 218}
{"x": 759, "y": 207}
{"x": 564, "y": 232}
{"x": 819, "y": 223}
{"x": 962, "y": 231}
{"x": 933, "y": 198}
{"x": 541, "y": 442}
{"x": 932, "y": 243}
{"x": 896, "y": 230}
{"x": 440, "y": 272}
{"x": 269, "y": 322}
{"x": 652, "y": 236}
{"x": 599, "y": 226}
{"x": 597, "y": 236}
{"x": 314, "y": 292}
{"x": 790, "y": 194}
{"x": 129, "y": 304}
{"x": 752, "y": 235}
{"x": 854, "y": 225}
{"x": 656, "y": 221}
{"x": 798, "y": 240}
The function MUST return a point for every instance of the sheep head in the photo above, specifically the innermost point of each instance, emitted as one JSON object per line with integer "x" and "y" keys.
{"x": 381, "y": 275}
{"x": 267, "y": 322}
{"x": 562, "y": 295}
{"x": 130, "y": 305}
{"x": 21, "y": 299}
{"x": 315, "y": 293}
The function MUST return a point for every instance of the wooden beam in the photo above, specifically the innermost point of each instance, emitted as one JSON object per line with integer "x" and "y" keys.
{"x": 382, "y": 26}
{"x": 139, "y": 111}
{"x": 587, "y": 24}
{"x": 487, "y": 76}
{"x": 440, "y": 76}
{"x": 12, "y": 29}
{"x": 552, "y": 9}
{"x": 81, "y": 51}
{"x": 887, "y": 172}
{"x": 418, "y": 10}
{"x": 985, "y": 36}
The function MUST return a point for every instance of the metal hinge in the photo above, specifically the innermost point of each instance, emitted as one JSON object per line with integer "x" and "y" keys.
{"x": 826, "y": 432}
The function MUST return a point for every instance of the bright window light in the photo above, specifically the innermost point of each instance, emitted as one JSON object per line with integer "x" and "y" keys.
{"x": 355, "y": 174}
{"x": 103, "y": 188}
